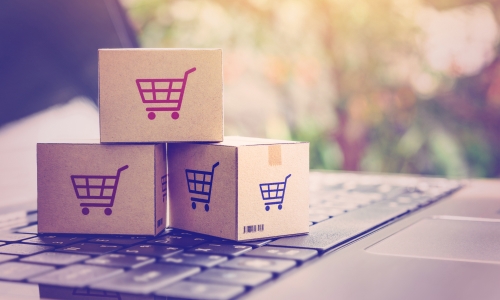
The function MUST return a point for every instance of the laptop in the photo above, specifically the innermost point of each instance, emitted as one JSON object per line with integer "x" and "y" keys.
{"x": 372, "y": 236}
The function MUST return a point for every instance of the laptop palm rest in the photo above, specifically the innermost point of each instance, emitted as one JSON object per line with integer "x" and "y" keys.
{"x": 445, "y": 238}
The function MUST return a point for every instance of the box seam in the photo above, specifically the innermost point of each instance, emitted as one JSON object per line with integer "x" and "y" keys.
{"x": 155, "y": 191}
{"x": 222, "y": 92}
{"x": 99, "y": 89}
{"x": 236, "y": 198}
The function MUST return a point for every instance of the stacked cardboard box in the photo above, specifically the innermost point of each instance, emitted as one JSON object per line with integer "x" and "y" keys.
{"x": 233, "y": 187}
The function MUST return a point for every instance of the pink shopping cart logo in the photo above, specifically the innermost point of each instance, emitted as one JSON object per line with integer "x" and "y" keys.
{"x": 100, "y": 190}
{"x": 168, "y": 92}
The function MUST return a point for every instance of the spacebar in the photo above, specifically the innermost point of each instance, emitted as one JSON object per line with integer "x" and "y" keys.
{"x": 338, "y": 230}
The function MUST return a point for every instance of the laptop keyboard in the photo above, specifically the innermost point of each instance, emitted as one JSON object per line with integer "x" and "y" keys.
{"x": 187, "y": 265}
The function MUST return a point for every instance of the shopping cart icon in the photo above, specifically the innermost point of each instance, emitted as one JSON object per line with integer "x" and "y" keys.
{"x": 168, "y": 92}
{"x": 273, "y": 193}
{"x": 200, "y": 185}
{"x": 100, "y": 189}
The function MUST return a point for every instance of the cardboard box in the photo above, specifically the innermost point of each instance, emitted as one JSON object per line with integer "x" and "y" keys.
{"x": 89, "y": 188}
{"x": 160, "y": 95}
{"x": 240, "y": 189}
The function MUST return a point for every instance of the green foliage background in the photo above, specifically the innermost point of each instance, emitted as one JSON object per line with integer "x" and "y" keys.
{"x": 349, "y": 76}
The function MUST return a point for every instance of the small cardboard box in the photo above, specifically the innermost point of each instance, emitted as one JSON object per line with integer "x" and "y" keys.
{"x": 240, "y": 189}
{"x": 90, "y": 188}
{"x": 160, "y": 95}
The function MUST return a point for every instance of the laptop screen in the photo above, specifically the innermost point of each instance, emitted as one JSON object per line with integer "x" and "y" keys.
{"x": 49, "y": 57}
{"x": 49, "y": 51}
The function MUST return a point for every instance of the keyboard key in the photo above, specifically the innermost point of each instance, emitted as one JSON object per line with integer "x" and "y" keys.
{"x": 152, "y": 250}
{"x": 11, "y": 225}
{"x": 19, "y": 290}
{"x": 346, "y": 206}
{"x": 89, "y": 248}
{"x": 258, "y": 243}
{"x": 23, "y": 249}
{"x": 179, "y": 232}
{"x": 146, "y": 279}
{"x": 125, "y": 241}
{"x": 409, "y": 206}
{"x": 33, "y": 229}
{"x": 260, "y": 264}
{"x": 179, "y": 241}
{"x": 55, "y": 258}
{"x": 21, "y": 271}
{"x": 329, "y": 211}
{"x": 76, "y": 275}
{"x": 232, "y": 277}
{"x": 318, "y": 218}
{"x": 194, "y": 259}
{"x": 337, "y": 230}
{"x": 198, "y": 290}
{"x": 13, "y": 237}
{"x": 121, "y": 260}
{"x": 54, "y": 240}
{"x": 69, "y": 293}
{"x": 222, "y": 249}
{"x": 217, "y": 240}
{"x": 300, "y": 255}
{"x": 7, "y": 257}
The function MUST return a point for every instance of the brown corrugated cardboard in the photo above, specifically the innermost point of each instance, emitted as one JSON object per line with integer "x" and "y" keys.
{"x": 226, "y": 189}
{"x": 160, "y": 95}
{"x": 89, "y": 188}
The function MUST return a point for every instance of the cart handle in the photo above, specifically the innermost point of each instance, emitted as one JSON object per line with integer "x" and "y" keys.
{"x": 215, "y": 166}
{"x": 121, "y": 169}
{"x": 286, "y": 178}
{"x": 189, "y": 71}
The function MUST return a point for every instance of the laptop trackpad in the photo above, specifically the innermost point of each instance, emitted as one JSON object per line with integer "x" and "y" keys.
{"x": 446, "y": 238}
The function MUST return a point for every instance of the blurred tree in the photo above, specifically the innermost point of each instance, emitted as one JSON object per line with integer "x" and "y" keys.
{"x": 351, "y": 76}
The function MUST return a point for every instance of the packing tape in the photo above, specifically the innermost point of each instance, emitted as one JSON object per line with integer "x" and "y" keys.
{"x": 274, "y": 155}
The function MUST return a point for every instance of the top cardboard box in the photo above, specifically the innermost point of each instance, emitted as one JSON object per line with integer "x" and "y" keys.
{"x": 160, "y": 95}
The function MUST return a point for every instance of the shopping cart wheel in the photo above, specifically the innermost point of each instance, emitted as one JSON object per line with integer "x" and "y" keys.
{"x": 207, "y": 208}
{"x": 267, "y": 207}
{"x": 85, "y": 211}
{"x": 108, "y": 211}
{"x": 193, "y": 205}
{"x": 175, "y": 115}
{"x": 151, "y": 115}
{"x": 280, "y": 207}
